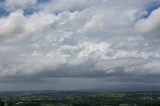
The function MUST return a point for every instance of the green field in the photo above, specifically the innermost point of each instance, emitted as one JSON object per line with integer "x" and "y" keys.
{"x": 52, "y": 98}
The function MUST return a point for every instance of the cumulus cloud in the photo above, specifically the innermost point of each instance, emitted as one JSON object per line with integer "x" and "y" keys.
{"x": 17, "y": 26}
{"x": 90, "y": 40}
{"x": 151, "y": 24}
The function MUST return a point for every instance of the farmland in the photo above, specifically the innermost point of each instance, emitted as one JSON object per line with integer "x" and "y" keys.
{"x": 78, "y": 98}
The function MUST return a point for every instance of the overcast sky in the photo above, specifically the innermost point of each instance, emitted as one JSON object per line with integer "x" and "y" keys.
{"x": 79, "y": 44}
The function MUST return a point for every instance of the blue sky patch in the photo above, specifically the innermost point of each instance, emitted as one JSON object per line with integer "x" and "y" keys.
{"x": 3, "y": 12}
{"x": 2, "y": 1}
{"x": 153, "y": 6}
{"x": 42, "y": 1}
{"x": 29, "y": 11}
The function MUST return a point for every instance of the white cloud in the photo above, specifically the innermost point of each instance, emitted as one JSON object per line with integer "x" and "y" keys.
{"x": 13, "y": 25}
{"x": 17, "y": 26}
{"x": 150, "y": 67}
{"x": 151, "y": 24}
{"x": 19, "y": 4}
{"x": 128, "y": 45}
{"x": 111, "y": 66}
{"x": 79, "y": 39}
{"x": 58, "y": 6}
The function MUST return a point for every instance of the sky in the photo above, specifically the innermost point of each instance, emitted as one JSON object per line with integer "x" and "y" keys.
{"x": 110, "y": 45}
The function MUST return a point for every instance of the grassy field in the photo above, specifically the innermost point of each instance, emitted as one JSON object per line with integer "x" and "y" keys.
{"x": 52, "y": 98}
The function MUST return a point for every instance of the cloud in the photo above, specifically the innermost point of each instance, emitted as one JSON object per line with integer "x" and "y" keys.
{"x": 94, "y": 41}
{"x": 58, "y": 6}
{"x": 151, "y": 24}
{"x": 17, "y": 26}
{"x": 128, "y": 45}
{"x": 18, "y": 4}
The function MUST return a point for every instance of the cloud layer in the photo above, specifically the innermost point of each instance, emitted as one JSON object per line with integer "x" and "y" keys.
{"x": 91, "y": 42}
